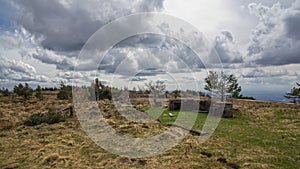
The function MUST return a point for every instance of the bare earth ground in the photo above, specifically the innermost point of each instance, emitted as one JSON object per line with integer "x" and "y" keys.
{"x": 257, "y": 137}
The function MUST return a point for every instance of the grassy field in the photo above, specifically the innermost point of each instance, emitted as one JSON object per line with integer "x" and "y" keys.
{"x": 254, "y": 138}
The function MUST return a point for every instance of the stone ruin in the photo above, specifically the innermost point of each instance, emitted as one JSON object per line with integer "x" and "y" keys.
{"x": 200, "y": 106}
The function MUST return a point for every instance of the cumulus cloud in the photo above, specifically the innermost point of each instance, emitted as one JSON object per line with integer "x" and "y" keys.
{"x": 138, "y": 79}
{"x": 275, "y": 40}
{"x": 16, "y": 66}
{"x": 57, "y": 30}
{"x": 141, "y": 54}
{"x": 227, "y": 48}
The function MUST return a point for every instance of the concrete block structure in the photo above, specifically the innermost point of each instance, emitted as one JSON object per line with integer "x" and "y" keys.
{"x": 201, "y": 106}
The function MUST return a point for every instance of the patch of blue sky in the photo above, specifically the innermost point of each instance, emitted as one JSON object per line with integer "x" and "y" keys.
{"x": 6, "y": 14}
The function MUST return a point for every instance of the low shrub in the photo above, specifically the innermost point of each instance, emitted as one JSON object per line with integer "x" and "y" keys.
{"x": 34, "y": 120}
{"x": 51, "y": 117}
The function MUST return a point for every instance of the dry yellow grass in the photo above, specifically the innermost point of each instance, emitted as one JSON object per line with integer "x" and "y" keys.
{"x": 255, "y": 138}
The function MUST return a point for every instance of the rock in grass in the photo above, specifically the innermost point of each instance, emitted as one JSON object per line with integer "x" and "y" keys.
{"x": 234, "y": 166}
{"x": 222, "y": 160}
{"x": 206, "y": 154}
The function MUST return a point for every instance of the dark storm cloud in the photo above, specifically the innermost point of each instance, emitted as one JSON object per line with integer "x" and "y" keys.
{"x": 66, "y": 25}
{"x": 292, "y": 24}
{"x": 138, "y": 79}
{"x": 62, "y": 62}
{"x": 282, "y": 57}
{"x": 149, "y": 40}
{"x": 150, "y": 72}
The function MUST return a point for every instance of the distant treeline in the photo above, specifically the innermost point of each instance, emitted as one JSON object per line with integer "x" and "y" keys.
{"x": 25, "y": 91}
{"x": 99, "y": 91}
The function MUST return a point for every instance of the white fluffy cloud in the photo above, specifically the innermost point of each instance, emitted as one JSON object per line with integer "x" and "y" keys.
{"x": 18, "y": 71}
{"x": 227, "y": 48}
{"x": 22, "y": 59}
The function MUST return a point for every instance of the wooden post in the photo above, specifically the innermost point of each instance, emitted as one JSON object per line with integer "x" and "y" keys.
{"x": 97, "y": 89}
{"x": 71, "y": 111}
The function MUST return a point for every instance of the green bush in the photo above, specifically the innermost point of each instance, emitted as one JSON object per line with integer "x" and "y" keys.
{"x": 246, "y": 97}
{"x": 5, "y": 92}
{"x": 24, "y": 91}
{"x": 34, "y": 120}
{"x": 38, "y": 93}
{"x": 51, "y": 117}
{"x": 65, "y": 92}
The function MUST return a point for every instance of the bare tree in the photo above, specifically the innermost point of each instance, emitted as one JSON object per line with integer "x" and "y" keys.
{"x": 156, "y": 87}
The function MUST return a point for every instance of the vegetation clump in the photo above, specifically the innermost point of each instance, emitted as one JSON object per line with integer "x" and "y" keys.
{"x": 65, "y": 92}
{"x": 24, "y": 91}
{"x": 50, "y": 118}
{"x": 5, "y": 92}
{"x": 38, "y": 93}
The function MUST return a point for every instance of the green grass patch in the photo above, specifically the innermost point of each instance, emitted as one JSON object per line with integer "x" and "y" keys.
{"x": 197, "y": 119}
{"x": 271, "y": 136}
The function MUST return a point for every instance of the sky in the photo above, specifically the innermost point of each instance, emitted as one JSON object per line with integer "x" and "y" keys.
{"x": 257, "y": 41}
